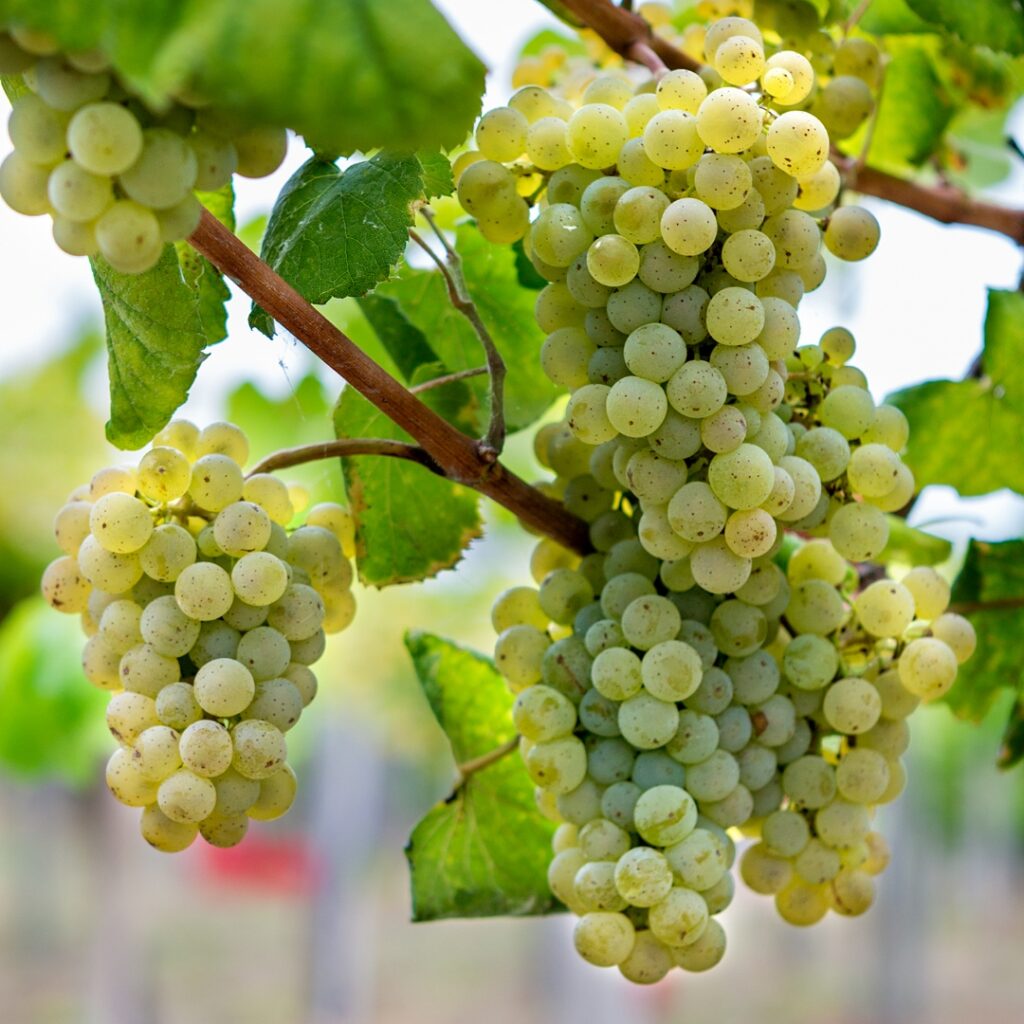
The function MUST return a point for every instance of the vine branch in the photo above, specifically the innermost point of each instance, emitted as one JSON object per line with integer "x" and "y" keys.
{"x": 622, "y": 29}
{"x": 996, "y": 604}
{"x": 345, "y": 446}
{"x": 459, "y": 458}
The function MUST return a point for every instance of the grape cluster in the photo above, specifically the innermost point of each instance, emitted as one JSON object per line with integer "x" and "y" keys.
{"x": 203, "y": 615}
{"x": 701, "y": 675}
{"x": 117, "y": 177}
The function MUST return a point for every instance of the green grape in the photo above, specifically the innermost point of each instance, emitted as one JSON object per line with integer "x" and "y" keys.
{"x": 671, "y": 140}
{"x": 852, "y": 706}
{"x": 206, "y": 748}
{"x": 777, "y": 82}
{"x": 23, "y": 186}
{"x": 165, "y": 171}
{"x": 261, "y": 150}
{"x": 65, "y": 585}
{"x": 176, "y": 706}
{"x": 697, "y": 389}
{"x": 518, "y": 653}
{"x": 104, "y": 138}
{"x": 722, "y": 181}
{"x": 742, "y": 478}
{"x": 798, "y": 143}
{"x": 785, "y": 833}
{"x": 203, "y": 591}
{"x": 560, "y": 234}
{"x": 101, "y": 663}
{"x": 264, "y": 652}
{"x": 168, "y": 552}
{"x": 604, "y": 939}
{"x": 260, "y": 749}
{"x": 744, "y": 367}
{"x": 734, "y": 732}
{"x": 795, "y": 236}
{"x": 734, "y": 316}
{"x": 739, "y": 60}
{"x": 665, "y": 271}
{"x": 595, "y": 133}
{"x": 636, "y": 167}
{"x": 957, "y": 633}
{"x": 541, "y": 713}
{"x": 259, "y": 578}
{"x": 128, "y": 236}
{"x": 713, "y": 778}
{"x": 696, "y": 513}
{"x": 612, "y": 261}
{"x": 594, "y": 886}
{"x": 602, "y": 840}
{"x": 126, "y": 781}
{"x": 684, "y": 311}
{"x": 653, "y": 478}
{"x": 858, "y": 532}
{"x": 555, "y": 306}
{"x": 129, "y": 714}
{"x": 825, "y": 449}
{"x": 484, "y": 186}
{"x": 703, "y": 953}
{"x": 74, "y": 238}
{"x": 729, "y": 120}
{"x": 144, "y": 670}
{"x": 317, "y": 552}
{"x": 224, "y": 687}
{"x": 843, "y": 105}
{"x": 800, "y": 70}
{"x": 637, "y": 111}
{"x": 37, "y": 130}
{"x": 298, "y": 613}
{"x": 927, "y": 667}
{"x": 810, "y": 662}
{"x": 586, "y": 414}
{"x": 852, "y": 233}
{"x": 782, "y": 284}
{"x": 164, "y": 474}
{"x": 637, "y": 214}
{"x": 809, "y": 782}
{"x": 748, "y": 255}
{"x": 186, "y": 798}
{"x": 646, "y": 722}
{"x": 654, "y": 351}
{"x": 632, "y": 306}
{"x": 739, "y": 630}
{"x": 819, "y": 190}
{"x": 501, "y": 134}
{"x": 718, "y": 569}
{"x": 650, "y": 620}
{"x": 155, "y": 753}
{"x": 649, "y": 960}
{"x": 597, "y": 203}
{"x": 65, "y": 88}
{"x": 885, "y": 608}
{"x": 277, "y": 701}
{"x": 764, "y": 872}
{"x": 723, "y": 430}
{"x": 758, "y": 765}
{"x": 122, "y": 524}
{"x": 681, "y": 90}
{"x": 748, "y": 215}
{"x": 636, "y": 406}
{"x": 725, "y": 28}
{"x": 546, "y": 144}
{"x": 558, "y": 765}
{"x": 689, "y": 227}
{"x": 565, "y": 357}
{"x": 643, "y": 876}
{"x": 13, "y": 58}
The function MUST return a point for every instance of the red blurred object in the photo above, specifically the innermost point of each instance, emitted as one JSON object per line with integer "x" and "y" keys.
{"x": 285, "y": 866}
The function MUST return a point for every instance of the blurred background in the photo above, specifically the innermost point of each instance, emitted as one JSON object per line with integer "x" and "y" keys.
{"x": 307, "y": 921}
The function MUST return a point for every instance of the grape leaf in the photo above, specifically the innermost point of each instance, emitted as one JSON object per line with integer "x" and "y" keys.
{"x": 348, "y": 74}
{"x": 911, "y": 546}
{"x": 997, "y": 24}
{"x": 913, "y": 112}
{"x": 538, "y": 43}
{"x": 410, "y": 523}
{"x": 506, "y": 309}
{"x": 156, "y": 332}
{"x": 483, "y": 852}
{"x": 965, "y": 433}
{"x": 991, "y": 572}
{"x": 1011, "y": 751}
{"x": 405, "y": 343}
{"x": 893, "y": 17}
{"x": 336, "y": 233}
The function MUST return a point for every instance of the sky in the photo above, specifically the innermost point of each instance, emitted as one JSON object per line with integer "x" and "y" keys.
{"x": 916, "y": 306}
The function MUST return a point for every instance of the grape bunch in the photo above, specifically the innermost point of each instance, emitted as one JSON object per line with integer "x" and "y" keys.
{"x": 714, "y": 668}
{"x": 118, "y": 178}
{"x": 203, "y": 614}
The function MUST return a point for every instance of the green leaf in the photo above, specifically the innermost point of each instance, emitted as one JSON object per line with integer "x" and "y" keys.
{"x": 336, "y": 233}
{"x": 52, "y": 725}
{"x": 349, "y": 74}
{"x": 893, "y": 17}
{"x": 911, "y": 546}
{"x": 977, "y": 154}
{"x": 966, "y": 433}
{"x": 539, "y": 42}
{"x": 410, "y": 523}
{"x": 997, "y": 24}
{"x": 484, "y": 851}
{"x": 1011, "y": 752}
{"x": 913, "y": 113}
{"x": 505, "y": 307}
{"x": 526, "y": 272}
{"x": 437, "y": 175}
{"x": 157, "y": 328}
{"x": 406, "y": 344}
{"x": 454, "y": 400}
{"x": 991, "y": 572}
{"x": 14, "y": 86}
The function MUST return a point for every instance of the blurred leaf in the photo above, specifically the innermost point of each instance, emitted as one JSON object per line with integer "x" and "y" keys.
{"x": 977, "y": 155}
{"x": 539, "y": 42}
{"x": 437, "y": 175}
{"x": 912, "y": 546}
{"x": 353, "y": 74}
{"x": 453, "y": 400}
{"x": 484, "y": 851}
{"x": 410, "y": 523}
{"x": 52, "y": 723}
{"x": 1011, "y": 753}
{"x": 992, "y": 572}
{"x": 155, "y": 340}
{"x": 526, "y": 272}
{"x": 406, "y": 344}
{"x": 14, "y": 86}
{"x": 998, "y": 24}
{"x": 913, "y": 112}
{"x": 336, "y": 233}
{"x": 967, "y": 433}
{"x": 893, "y": 17}
{"x": 48, "y": 448}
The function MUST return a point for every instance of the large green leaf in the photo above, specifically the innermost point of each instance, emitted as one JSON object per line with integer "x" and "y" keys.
{"x": 336, "y": 233}
{"x": 157, "y": 329}
{"x": 483, "y": 852}
{"x": 506, "y": 309}
{"x": 52, "y": 722}
{"x": 410, "y": 523}
{"x": 913, "y": 112}
{"x": 992, "y": 573}
{"x": 348, "y": 74}
{"x": 967, "y": 433}
{"x": 884, "y": 17}
{"x": 997, "y": 24}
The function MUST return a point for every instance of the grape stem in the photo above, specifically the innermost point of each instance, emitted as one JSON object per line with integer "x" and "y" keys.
{"x": 478, "y": 764}
{"x": 459, "y": 457}
{"x": 459, "y": 297}
{"x": 641, "y": 53}
{"x": 448, "y": 378}
{"x": 345, "y": 447}
{"x": 858, "y": 12}
{"x": 621, "y": 29}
